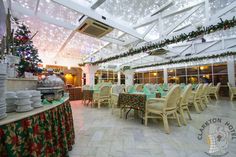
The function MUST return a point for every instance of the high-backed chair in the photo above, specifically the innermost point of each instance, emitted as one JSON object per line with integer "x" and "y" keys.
{"x": 104, "y": 95}
{"x": 85, "y": 87}
{"x": 196, "y": 98}
{"x": 183, "y": 103}
{"x": 163, "y": 107}
{"x": 127, "y": 88}
{"x": 214, "y": 91}
{"x": 139, "y": 87}
{"x": 204, "y": 93}
{"x": 116, "y": 90}
{"x": 232, "y": 91}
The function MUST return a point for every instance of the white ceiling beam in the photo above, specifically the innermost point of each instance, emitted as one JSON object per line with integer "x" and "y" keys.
{"x": 114, "y": 40}
{"x": 132, "y": 60}
{"x": 202, "y": 50}
{"x": 174, "y": 12}
{"x": 153, "y": 16}
{"x": 163, "y": 7}
{"x": 97, "y": 3}
{"x": 180, "y": 21}
{"x": 67, "y": 41}
{"x": 231, "y": 45}
{"x": 207, "y": 10}
{"x": 102, "y": 48}
{"x": 148, "y": 29}
{"x": 36, "y": 7}
{"x": 8, "y": 3}
{"x": 93, "y": 14}
{"x": 182, "y": 51}
{"x": 181, "y": 28}
{"x": 42, "y": 17}
{"x": 223, "y": 11}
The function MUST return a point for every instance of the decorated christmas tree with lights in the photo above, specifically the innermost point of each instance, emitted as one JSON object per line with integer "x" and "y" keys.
{"x": 25, "y": 49}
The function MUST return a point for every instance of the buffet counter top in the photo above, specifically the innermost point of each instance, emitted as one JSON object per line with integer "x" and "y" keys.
{"x": 14, "y": 116}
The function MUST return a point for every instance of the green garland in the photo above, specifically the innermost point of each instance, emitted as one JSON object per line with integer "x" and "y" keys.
{"x": 188, "y": 60}
{"x": 179, "y": 38}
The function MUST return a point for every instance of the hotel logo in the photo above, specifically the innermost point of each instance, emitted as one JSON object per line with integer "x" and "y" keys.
{"x": 217, "y": 134}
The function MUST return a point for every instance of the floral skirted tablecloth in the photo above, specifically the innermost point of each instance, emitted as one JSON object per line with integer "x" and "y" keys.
{"x": 132, "y": 101}
{"x": 47, "y": 134}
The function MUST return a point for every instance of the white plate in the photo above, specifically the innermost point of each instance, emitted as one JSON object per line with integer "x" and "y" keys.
{"x": 37, "y": 105}
{"x": 24, "y": 109}
{"x": 36, "y": 99}
{"x": 11, "y": 109}
{"x": 10, "y": 95}
{"x": 3, "y": 116}
{"x": 23, "y": 101}
{"x": 11, "y": 102}
{"x": 3, "y": 110}
{"x": 23, "y": 94}
{"x": 3, "y": 105}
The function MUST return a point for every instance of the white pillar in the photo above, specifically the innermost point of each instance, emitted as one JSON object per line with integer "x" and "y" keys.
{"x": 231, "y": 72}
{"x": 129, "y": 77}
{"x": 165, "y": 75}
{"x": 90, "y": 71}
{"x": 118, "y": 74}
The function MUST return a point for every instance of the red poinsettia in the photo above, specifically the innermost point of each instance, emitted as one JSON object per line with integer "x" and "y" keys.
{"x": 50, "y": 150}
{"x": 33, "y": 147}
{"x": 26, "y": 123}
{"x": 36, "y": 129}
{"x": 15, "y": 140}
{"x": 1, "y": 133}
{"x": 42, "y": 117}
{"x": 48, "y": 135}
{"x": 39, "y": 148}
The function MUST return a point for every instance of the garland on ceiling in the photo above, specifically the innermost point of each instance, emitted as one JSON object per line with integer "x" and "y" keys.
{"x": 222, "y": 25}
{"x": 226, "y": 54}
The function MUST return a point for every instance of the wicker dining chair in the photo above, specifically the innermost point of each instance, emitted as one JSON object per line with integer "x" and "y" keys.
{"x": 214, "y": 91}
{"x": 183, "y": 103}
{"x": 164, "y": 107}
{"x": 195, "y": 99}
{"x": 104, "y": 95}
{"x": 232, "y": 91}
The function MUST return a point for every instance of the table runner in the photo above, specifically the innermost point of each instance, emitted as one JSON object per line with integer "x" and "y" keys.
{"x": 47, "y": 134}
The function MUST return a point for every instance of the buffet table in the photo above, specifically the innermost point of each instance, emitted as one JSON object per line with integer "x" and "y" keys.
{"x": 46, "y": 131}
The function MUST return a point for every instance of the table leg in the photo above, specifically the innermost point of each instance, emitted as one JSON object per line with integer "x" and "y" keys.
{"x": 127, "y": 113}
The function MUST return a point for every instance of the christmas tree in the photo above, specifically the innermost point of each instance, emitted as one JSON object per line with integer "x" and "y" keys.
{"x": 25, "y": 49}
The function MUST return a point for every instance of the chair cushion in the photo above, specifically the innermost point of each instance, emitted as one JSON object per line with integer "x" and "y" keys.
{"x": 156, "y": 106}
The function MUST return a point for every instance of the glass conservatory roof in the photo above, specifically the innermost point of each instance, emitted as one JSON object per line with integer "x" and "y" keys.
{"x": 135, "y": 23}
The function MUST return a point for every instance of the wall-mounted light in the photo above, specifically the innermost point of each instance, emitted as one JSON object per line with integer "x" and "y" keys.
{"x": 68, "y": 67}
{"x": 155, "y": 74}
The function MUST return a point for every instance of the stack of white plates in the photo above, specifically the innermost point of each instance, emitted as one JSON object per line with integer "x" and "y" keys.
{"x": 3, "y": 71}
{"x": 36, "y": 98}
{"x": 11, "y": 100}
{"x": 23, "y": 101}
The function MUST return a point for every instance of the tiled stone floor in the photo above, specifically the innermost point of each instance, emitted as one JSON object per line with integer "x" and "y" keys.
{"x": 101, "y": 134}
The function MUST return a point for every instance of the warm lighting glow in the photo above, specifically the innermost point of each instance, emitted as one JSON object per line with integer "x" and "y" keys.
{"x": 68, "y": 67}
{"x": 155, "y": 74}
{"x": 206, "y": 76}
{"x": 69, "y": 79}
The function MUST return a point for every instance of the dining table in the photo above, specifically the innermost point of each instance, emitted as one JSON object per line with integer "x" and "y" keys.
{"x": 135, "y": 101}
